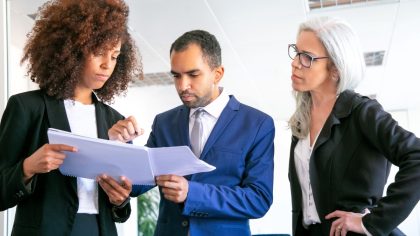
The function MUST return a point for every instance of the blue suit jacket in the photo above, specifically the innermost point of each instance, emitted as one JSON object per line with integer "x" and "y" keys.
{"x": 220, "y": 202}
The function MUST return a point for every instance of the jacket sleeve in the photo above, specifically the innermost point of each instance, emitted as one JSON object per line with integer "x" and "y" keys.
{"x": 121, "y": 215}
{"x": 14, "y": 126}
{"x": 401, "y": 148}
{"x": 250, "y": 199}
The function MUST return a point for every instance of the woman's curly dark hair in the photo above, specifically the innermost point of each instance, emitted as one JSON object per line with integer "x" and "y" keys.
{"x": 66, "y": 32}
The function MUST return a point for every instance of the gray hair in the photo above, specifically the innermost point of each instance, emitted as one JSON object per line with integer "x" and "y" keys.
{"x": 344, "y": 51}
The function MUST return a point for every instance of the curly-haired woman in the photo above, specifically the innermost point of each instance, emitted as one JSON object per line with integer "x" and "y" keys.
{"x": 81, "y": 55}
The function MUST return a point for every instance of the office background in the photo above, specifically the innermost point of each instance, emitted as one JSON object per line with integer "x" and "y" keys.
{"x": 254, "y": 35}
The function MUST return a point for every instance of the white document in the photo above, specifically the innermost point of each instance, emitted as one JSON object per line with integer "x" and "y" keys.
{"x": 139, "y": 164}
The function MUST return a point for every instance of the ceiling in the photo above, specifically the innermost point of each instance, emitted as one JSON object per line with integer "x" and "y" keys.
{"x": 254, "y": 35}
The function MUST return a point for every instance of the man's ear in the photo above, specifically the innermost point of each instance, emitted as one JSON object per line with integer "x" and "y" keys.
{"x": 219, "y": 72}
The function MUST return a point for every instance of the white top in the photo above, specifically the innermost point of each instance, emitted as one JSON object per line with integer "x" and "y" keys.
{"x": 82, "y": 120}
{"x": 303, "y": 152}
{"x": 210, "y": 117}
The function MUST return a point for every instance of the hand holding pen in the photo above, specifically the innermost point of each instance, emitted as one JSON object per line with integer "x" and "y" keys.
{"x": 125, "y": 130}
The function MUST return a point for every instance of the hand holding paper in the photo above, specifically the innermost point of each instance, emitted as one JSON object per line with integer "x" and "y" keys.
{"x": 174, "y": 187}
{"x": 117, "y": 191}
{"x": 139, "y": 164}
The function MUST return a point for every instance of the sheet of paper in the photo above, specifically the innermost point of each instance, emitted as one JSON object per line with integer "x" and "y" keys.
{"x": 178, "y": 160}
{"x": 98, "y": 156}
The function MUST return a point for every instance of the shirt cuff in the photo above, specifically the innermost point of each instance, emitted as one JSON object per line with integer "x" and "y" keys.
{"x": 365, "y": 230}
{"x": 363, "y": 226}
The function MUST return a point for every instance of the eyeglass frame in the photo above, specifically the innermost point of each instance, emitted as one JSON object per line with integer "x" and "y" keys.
{"x": 312, "y": 58}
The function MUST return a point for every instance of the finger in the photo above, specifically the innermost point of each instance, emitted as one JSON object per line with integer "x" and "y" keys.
{"x": 126, "y": 183}
{"x": 120, "y": 138}
{"x": 51, "y": 156}
{"x": 125, "y": 134}
{"x": 127, "y": 124}
{"x": 335, "y": 214}
{"x": 119, "y": 127}
{"x": 116, "y": 130}
{"x": 56, "y": 163}
{"x": 337, "y": 232}
{"x": 177, "y": 198}
{"x": 130, "y": 129}
{"x": 134, "y": 124}
{"x": 171, "y": 197}
{"x": 108, "y": 188}
{"x": 343, "y": 231}
{"x": 110, "y": 181}
{"x": 166, "y": 178}
{"x": 335, "y": 227}
{"x": 168, "y": 197}
{"x": 170, "y": 191}
{"x": 164, "y": 184}
{"x": 62, "y": 147}
{"x": 120, "y": 190}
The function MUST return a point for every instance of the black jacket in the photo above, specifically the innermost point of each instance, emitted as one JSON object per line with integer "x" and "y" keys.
{"x": 350, "y": 164}
{"x": 51, "y": 205}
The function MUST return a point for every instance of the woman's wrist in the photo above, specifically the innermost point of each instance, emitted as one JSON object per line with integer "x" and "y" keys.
{"x": 123, "y": 204}
{"x": 27, "y": 174}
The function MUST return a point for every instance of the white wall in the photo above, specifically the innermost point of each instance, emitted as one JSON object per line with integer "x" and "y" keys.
{"x": 279, "y": 218}
{"x": 3, "y": 56}
{"x": 3, "y": 86}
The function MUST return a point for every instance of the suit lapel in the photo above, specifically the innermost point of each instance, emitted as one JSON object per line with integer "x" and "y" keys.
{"x": 57, "y": 118}
{"x": 325, "y": 134}
{"x": 183, "y": 126}
{"x": 56, "y": 113}
{"x": 225, "y": 118}
{"x": 342, "y": 108}
{"x": 317, "y": 161}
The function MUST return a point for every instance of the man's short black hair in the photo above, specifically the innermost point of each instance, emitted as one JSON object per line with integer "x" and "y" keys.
{"x": 206, "y": 41}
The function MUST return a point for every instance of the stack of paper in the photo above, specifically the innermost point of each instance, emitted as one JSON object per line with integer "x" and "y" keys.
{"x": 137, "y": 163}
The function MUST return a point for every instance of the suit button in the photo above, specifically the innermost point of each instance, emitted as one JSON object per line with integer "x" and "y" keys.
{"x": 184, "y": 223}
{"x": 19, "y": 194}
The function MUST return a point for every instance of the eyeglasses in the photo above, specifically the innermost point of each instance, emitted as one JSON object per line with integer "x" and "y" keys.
{"x": 305, "y": 59}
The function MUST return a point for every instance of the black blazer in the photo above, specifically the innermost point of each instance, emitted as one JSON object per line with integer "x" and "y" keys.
{"x": 51, "y": 205}
{"x": 350, "y": 164}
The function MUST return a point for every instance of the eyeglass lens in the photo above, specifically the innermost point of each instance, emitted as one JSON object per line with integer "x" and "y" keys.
{"x": 304, "y": 59}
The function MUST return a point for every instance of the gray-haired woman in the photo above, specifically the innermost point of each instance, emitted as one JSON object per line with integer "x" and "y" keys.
{"x": 344, "y": 143}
